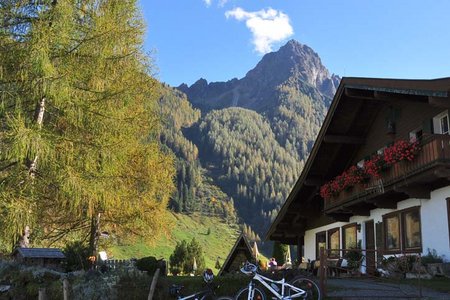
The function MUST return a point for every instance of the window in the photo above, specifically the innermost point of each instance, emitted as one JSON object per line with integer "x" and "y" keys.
{"x": 393, "y": 232}
{"x": 334, "y": 241}
{"x": 321, "y": 242}
{"x": 444, "y": 124}
{"x": 441, "y": 123}
{"x": 349, "y": 240}
{"x": 402, "y": 231}
{"x": 416, "y": 135}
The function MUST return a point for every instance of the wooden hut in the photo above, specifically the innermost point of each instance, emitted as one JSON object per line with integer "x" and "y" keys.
{"x": 51, "y": 258}
{"x": 239, "y": 254}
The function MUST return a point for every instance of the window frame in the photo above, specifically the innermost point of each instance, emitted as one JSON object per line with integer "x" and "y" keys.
{"x": 437, "y": 122}
{"x": 400, "y": 214}
{"x": 416, "y": 135}
{"x": 324, "y": 232}
{"x": 330, "y": 232}
{"x": 355, "y": 225}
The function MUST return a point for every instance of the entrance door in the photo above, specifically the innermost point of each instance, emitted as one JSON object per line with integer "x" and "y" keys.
{"x": 370, "y": 245}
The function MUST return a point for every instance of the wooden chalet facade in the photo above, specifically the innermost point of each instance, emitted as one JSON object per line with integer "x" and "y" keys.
{"x": 407, "y": 207}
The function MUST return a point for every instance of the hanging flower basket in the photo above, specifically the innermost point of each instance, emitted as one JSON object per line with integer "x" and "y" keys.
{"x": 401, "y": 150}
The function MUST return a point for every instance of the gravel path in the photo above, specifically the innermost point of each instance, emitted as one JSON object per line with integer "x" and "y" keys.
{"x": 371, "y": 289}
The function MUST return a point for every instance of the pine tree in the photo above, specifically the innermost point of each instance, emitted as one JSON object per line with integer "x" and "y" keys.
{"x": 79, "y": 146}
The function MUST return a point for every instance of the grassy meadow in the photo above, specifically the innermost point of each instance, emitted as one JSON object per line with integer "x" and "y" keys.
{"x": 217, "y": 243}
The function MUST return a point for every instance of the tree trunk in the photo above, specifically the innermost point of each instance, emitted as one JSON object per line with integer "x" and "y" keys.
{"x": 40, "y": 110}
{"x": 94, "y": 235}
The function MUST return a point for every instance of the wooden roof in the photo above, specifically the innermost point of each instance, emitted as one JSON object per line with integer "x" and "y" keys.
{"x": 241, "y": 244}
{"x": 40, "y": 253}
{"x": 353, "y": 109}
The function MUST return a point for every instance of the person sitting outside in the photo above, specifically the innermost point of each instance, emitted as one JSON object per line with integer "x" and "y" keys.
{"x": 273, "y": 264}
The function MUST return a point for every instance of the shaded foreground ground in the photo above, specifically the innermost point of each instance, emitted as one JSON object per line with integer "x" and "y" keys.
{"x": 379, "y": 289}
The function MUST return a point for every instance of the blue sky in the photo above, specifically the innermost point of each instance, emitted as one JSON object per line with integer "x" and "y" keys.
{"x": 219, "y": 39}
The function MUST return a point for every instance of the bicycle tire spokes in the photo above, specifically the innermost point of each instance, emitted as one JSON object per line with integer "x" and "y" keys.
{"x": 310, "y": 289}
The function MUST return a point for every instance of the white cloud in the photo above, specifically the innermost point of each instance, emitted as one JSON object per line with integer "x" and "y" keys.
{"x": 267, "y": 26}
{"x": 222, "y": 3}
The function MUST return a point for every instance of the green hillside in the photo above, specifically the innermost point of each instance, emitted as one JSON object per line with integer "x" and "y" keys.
{"x": 217, "y": 243}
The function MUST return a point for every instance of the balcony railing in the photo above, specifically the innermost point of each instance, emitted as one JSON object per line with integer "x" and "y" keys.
{"x": 434, "y": 153}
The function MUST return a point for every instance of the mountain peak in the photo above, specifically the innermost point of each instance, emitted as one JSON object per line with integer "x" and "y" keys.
{"x": 293, "y": 61}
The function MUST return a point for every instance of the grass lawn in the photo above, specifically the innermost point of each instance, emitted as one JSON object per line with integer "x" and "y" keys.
{"x": 217, "y": 243}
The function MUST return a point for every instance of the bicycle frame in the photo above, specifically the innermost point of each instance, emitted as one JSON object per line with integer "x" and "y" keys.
{"x": 266, "y": 283}
{"x": 194, "y": 296}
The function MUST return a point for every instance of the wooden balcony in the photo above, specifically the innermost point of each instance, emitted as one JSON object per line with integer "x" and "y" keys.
{"x": 429, "y": 170}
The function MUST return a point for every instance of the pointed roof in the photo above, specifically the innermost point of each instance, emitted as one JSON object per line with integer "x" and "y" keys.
{"x": 241, "y": 244}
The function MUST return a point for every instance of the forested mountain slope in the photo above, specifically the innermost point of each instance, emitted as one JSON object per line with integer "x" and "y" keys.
{"x": 247, "y": 139}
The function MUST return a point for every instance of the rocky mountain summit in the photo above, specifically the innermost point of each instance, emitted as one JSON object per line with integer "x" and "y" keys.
{"x": 293, "y": 62}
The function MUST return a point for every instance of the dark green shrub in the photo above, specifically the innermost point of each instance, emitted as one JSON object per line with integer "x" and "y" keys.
{"x": 77, "y": 254}
{"x": 431, "y": 258}
{"x": 149, "y": 264}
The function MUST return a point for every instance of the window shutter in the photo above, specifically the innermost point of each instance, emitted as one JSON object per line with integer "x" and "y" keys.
{"x": 428, "y": 126}
{"x": 379, "y": 240}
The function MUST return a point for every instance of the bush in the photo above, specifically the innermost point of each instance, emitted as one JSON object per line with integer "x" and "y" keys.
{"x": 77, "y": 254}
{"x": 432, "y": 257}
{"x": 149, "y": 264}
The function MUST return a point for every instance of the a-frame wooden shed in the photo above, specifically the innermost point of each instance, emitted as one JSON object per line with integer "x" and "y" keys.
{"x": 239, "y": 254}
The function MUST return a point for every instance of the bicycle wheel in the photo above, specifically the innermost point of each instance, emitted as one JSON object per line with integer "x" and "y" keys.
{"x": 211, "y": 297}
{"x": 309, "y": 286}
{"x": 243, "y": 294}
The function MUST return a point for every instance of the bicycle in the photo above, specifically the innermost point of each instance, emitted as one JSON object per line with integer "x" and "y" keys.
{"x": 207, "y": 294}
{"x": 298, "y": 288}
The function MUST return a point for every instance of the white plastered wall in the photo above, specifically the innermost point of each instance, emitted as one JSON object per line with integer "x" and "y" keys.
{"x": 434, "y": 224}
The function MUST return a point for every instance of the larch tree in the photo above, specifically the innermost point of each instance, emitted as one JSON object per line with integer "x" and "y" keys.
{"x": 79, "y": 146}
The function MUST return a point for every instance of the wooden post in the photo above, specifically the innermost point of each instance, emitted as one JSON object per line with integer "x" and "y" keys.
{"x": 66, "y": 289}
{"x": 153, "y": 285}
{"x": 42, "y": 295}
{"x": 322, "y": 272}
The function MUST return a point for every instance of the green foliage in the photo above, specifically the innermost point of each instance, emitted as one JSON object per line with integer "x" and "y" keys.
{"x": 195, "y": 190}
{"x": 354, "y": 255}
{"x": 431, "y": 257}
{"x": 77, "y": 254}
{"x": 252, "y": 166}
{"x": 149, "y": 264}
{"x": 279, "y": 252}
{"x": 177, "y": 259}
{"x": 182, "y": 258}
{"x": 80, "y": 122}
